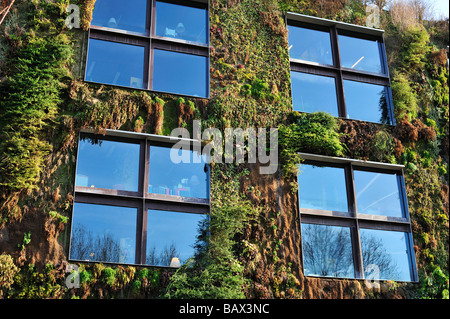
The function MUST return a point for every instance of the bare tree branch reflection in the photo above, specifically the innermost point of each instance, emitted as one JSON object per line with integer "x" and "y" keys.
{"x": 163, "y": 258}
{"x": 102, "y": 247}
{"x": 374, "y": 253}
{"x": 327, "y": 251}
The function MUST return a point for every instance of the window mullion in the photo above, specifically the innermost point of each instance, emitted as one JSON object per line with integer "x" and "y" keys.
{"x": 339, "y": 79}
{"x": 355, "y": 235}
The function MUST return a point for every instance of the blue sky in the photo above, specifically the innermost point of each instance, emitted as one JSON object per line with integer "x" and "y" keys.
{"x": 440, "y": 8}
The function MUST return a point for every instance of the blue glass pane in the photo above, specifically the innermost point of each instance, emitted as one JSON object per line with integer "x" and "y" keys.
{"x": 181, "y": 22}
{"x": 103, "y": 233}
{"x": 377, "y": 194}
{"x": 360, "y": 54}
{"x": 180, "y": 73}
{"x": 327, "y": 251}
{"x": 183, "y": 174}
{"x": 108, "y": 164}
{"x": 385, "y": 255}
{"x": 127, "y": 15}
{"x": 313, "y": 93}
{"x": 322, "y": 188}
{"x": 366, "y": 102}
{"x": 115, "y": 63}
{"x": 171, "y": 237}
{"x": 310, "y": 45}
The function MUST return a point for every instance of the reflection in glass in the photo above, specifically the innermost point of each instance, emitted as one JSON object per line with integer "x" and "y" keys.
{"x": 322, "y": 187}
{"x": 108, "y": 164}
{"x": 181, "y": 22}
{"x": 360, "y": 54}
{"x": 180, "y": 73}
{"x": 117, "y": 14}
{"x": 115, "y": 63}
{"x": 187, "y": 178}
{"x": 377, "y": 194}
{"x": 385, "y": 255}
{"x": 310, "y": 45}
{"x": 366, "y": 102}
{"x": 327, "y": 251}
{"x": 103, "y": 233}
{"x": 171, "y": 237}
{"x": 313, "y": 93}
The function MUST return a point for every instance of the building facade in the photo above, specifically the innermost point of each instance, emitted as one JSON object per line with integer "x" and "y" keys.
{"x": 121, "y": 204}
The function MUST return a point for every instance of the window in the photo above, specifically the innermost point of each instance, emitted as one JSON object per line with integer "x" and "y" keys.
{"x": 137, "y": 200}
{"x": 152, "y": 45}
{"x": 338, "y": 68}
{"x": 354, "y": 220}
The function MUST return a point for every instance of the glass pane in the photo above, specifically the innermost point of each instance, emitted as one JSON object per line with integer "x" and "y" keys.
{"x": 360, "y": 54}
{"x": 322, "y": 187}
{"x": 108, "y": 164}
{"x": 171, "y": 237}
{"x": 327, "y": 251}
{"x": 127, "y": 15}
{"x": 313, "y": 93}
{"x": 180, "y": 73}
{"x": 385, "y": 255}
{"x": 377, "y": 194}
{"x": 310, "y": 45}
{"x": 366, "y": 102}
{"x": 181, "y": 22}
{"x": 115, "y": 63}
{"x": 183, "y": 174}
{"x": 103, "y": 233}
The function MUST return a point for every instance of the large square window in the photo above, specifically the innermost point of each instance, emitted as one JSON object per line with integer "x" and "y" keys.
{"x": 373, "y": 239}
{"x": 338, "y": 68}
{"x": 115, "y": 63}
{"x": 139, "y": 199}
{"x": 151, "y": 45}
{"x": 313, "y": 93}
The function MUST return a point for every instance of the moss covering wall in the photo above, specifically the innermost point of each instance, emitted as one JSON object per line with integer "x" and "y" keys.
{"x": 254, "y": 247}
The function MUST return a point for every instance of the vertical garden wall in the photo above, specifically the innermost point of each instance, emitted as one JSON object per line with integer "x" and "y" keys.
{"x": 251, "y": 248}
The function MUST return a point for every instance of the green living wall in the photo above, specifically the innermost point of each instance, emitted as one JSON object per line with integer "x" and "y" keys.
{"x": 253, "y": 238}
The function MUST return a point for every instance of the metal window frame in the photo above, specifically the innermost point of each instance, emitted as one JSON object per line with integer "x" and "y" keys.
{"x": 150, "y": 41}
{"x": 141, "y": 200}
{"x": 352, "y": 218}
{"x": 336, "y": 70}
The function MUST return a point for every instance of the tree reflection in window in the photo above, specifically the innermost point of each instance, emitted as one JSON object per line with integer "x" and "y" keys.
{"x": 103, "y": 233}
{"x": 388, "y": 252}
{"x": 171, "y": 236}
{"x": 327, "y": 251}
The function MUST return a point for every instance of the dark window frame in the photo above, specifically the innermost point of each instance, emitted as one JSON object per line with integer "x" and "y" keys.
{"x": 336, "y": 70}
{"x": 149, "y": 41}
{"x": 353, "y": 219}
{"x": 141, "y": 200}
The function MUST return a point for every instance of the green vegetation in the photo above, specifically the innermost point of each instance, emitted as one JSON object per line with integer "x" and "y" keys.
{"x": 241, "y": 252}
